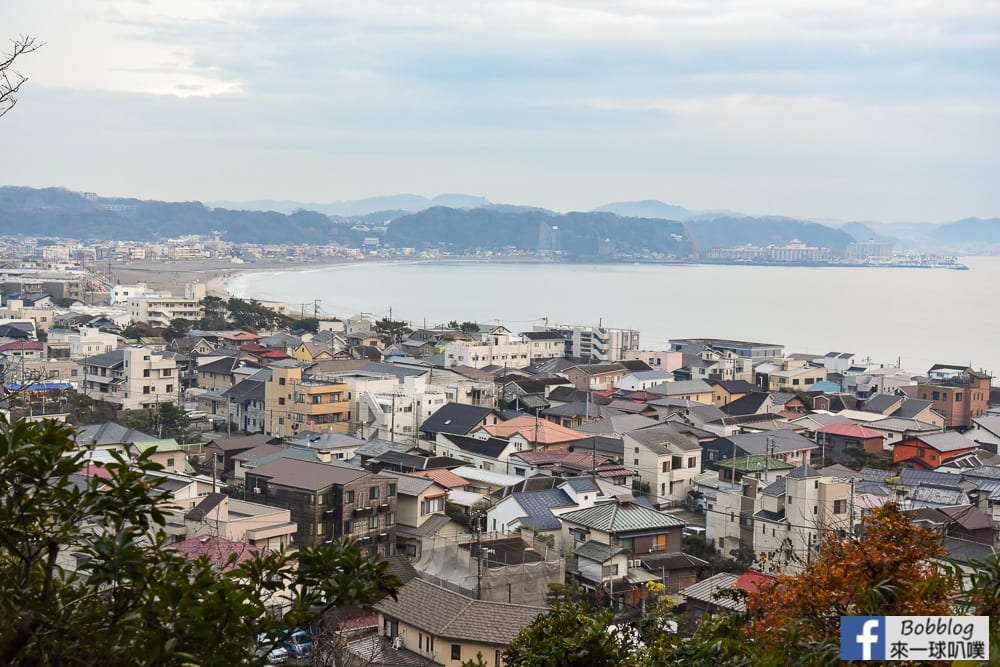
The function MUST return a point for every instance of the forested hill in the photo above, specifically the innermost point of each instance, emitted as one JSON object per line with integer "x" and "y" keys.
{"x": 582, "y": 235}
{"x": 728, "y": 232}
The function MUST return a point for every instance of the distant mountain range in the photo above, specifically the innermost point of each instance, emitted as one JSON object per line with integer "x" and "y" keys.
{"x": 462, "y": 222}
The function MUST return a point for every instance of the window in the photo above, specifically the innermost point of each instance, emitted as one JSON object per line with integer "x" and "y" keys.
{"x": 165, "y": 373}
{"x": 145, "y": 389}
{"x": 692, "y": 461}
{"x": 636, "y": 450}
{"x": 635, "y": 461}
{"x": 456, "y": 651}
{"x": 391, "y": 490}
{"x": 958, "y": 397}
{"x": 936, "y": 395}
{"x": 373, "y": 522}
{"x": 348, "y": 527}
{"x": 170, "y": 388}
{"x": 659, "y": 542}
{"x": 281, "y": 381}
{"x": 839, "y": 506}
{"x": 373, "y": 493}
{"x": 666, "y": 466}
{"x": 432, "y": 505}
{"x": 349, "y": 496}
{"x": 390, "y": 518}
{"x": 145, "y": 372}
{"x": 281, "y": 400}
{"x": 170, "y": 463}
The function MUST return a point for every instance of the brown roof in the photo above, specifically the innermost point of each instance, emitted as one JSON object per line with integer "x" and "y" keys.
{"x": 535, "y": 430}
{"x": 451, "y": 615}
{"x": 239, "y": 442}
{"x": 444, "y": 477}
{"x": 217, "y": 549}
{"x": 298, "y": 474}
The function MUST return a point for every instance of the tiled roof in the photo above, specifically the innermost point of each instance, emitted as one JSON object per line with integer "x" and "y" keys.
{"x": 449, "y": 615}
{"x": 108, "y": 433}
{"x": 489, "y": 447}
{"x": 538, "y": 507}
{"x": 850, "y": 431}
{"x": 455, "y": 418}
{"x": 411, "y": 484}
{"x": 614, "y": 517}
{"x": 617, "y": 424}
{"x": 682, "y": 387}
{"x": 663, "y": 439}
{"x": 596, "y": 551}
{"x": 216, "y": 549}
{"x": 444, "y": 477}
{"x": 534, "y": 430}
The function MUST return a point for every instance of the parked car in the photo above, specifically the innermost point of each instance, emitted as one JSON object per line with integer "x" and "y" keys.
{"x": 299, "y": 645}
{"x": 274, "y": 654}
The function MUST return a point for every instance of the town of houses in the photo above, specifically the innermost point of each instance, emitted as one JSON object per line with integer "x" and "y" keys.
{"x": 487, "y": 463}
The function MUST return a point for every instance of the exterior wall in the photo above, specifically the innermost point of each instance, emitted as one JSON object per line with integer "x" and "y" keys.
{"x": 85, "y": 342}
{"x": 439, "y": 649}
{"x": 614, "y": 569}
{"x": 120, "y": 294}
{"x": 546, "y": 349}
{"x": 657, "y": 359}
{"x": 336, "y": 511}
{"x": 913, "y": 448}
{"x": 159, "y": 310}
{"x": 292, "y": 404}
{"x": 959, "y": 404}
{"x": 671, "y": 476}
{"x": 497, "y": 351}
{"x": 145, "y": 380}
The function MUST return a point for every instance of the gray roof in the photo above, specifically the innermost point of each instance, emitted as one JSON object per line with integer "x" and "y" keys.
{"x": 705, "y": 591}
{"x": 617, "y": 424}
{"x": 911, "y": 407}
{"x": 804, "y": 472}
{"x": 490, "y": 447}
{"x": 988, "y": 422}
{"x": 662, "y": 439}
{"x": 107, "y": 360}
{"x": 780, "y": 441}
{"x": 583, "y": 484}
{"x": 306, "y": 474}
{"x": 775, "y": 488}
{"x": 897, "y": 425}
{"x": 315, "y": 440}
{"x": 108, "y": 433}
{"x": 455, "y": 418}
{"x": 681, "y": 387}
{"x": 614, "y": 517}
{"x": 949, "y": 441}
{"x": 449, "y": 615}
{"x": 392, "y": 369}
{"x": 595, "y": 551}
{"x": 581, "y": 409}
{"x": 247, "y": 390}
{"x": 538, "y": 507}
{"x": 411, "y": 485}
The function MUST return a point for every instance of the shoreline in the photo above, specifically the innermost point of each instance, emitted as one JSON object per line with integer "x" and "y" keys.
{"x": 217, "y": 274}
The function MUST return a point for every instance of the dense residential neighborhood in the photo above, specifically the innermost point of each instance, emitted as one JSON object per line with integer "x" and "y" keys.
{"x": 487, "y": 465}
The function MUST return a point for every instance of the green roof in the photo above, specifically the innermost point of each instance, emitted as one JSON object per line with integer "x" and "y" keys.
{"x": 754, "y": 463}
{"x": 596, "y": 551}
{"x": 163, "y": 445}
{"x": 613, "y": 517}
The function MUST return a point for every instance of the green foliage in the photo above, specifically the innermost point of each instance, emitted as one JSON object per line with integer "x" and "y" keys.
{"x": 310, "y": 324}
{"x": 141, "y": 330}
{"x": 166, "y": 420}
{"x": 568, "y": 636}
{"x": 131, "y": 599}
{"x": 81, "y": 409}
{"x": 479, "y": 661}
{"x": 178, "y": 327}
{"x": 394, "y": 330}
{"x": 251, "y": 314}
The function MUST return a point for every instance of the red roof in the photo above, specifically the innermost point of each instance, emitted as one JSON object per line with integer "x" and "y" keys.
{"x": 850, "y": 430}
{"x": 752, "y": 581}
{"x": 95, "y": 470}
{"x": 273, "y": 354}
{"x": 17, "y": 345}
{"x": 218, "y": 549}
{"x": 240, "y": 335}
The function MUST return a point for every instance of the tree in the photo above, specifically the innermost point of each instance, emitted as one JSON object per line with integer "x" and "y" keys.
{"x": 889, "y": 570}
{"x": 568, "y": 636}
{"x": 252, "y": 314}
{"x": 394, "y": 330}
{"x": 10, "y": 79}
{"x": 166, "y": 420}
{"x": 216, "y": 309}
{"x": 87, "y": 575}
{"x": 179, "y": 326}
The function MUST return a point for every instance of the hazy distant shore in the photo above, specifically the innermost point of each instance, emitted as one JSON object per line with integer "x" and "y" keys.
{"x": 173, "y": 276}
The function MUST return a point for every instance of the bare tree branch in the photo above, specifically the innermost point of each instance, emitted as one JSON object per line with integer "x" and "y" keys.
{"x": 10, "y": 79}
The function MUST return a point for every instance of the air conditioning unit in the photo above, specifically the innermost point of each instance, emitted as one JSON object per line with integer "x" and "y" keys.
{"x": 397, "y": 642}
{"x": 256, "y": 489}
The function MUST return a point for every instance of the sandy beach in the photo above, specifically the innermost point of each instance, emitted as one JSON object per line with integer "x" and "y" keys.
{"x": 173, "y": 276}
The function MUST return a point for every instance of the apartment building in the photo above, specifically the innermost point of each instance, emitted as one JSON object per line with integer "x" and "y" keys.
{"x": 958, "y": 392}
{"x": 596, "y": 344}
{"x": 132, "y": 378}
{"x": 293, "y": 402}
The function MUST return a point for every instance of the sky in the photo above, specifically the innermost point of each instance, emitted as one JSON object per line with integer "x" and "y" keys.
{"x": 844, "y": 110}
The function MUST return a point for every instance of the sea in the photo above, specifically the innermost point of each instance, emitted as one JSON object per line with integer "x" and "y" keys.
{"x": 913, "y": 317}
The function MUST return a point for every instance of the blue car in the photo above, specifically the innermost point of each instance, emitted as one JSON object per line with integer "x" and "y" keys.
{"x": 299, "y": 644}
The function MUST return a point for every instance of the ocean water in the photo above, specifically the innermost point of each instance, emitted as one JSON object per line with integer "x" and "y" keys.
{"x": 914, "y": 316}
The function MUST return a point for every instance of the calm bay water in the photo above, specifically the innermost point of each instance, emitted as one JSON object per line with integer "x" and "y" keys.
{"x": 918, "y": 316}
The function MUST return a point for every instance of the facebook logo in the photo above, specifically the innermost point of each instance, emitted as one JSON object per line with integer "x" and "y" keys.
{"x": 862, "y": 637}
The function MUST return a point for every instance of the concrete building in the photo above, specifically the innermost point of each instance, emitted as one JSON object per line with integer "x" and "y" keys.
{"x": 958, "y": 392}
{"x": 80, "y": 344}
{"x": 132, "y": 378}
{"x": 595, "y": 344}
{"x": 493, "y": 350}
{"x": 295, "y": 403}
{"x": 159, "y": 309}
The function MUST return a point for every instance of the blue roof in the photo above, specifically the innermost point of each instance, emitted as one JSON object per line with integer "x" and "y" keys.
{"x": 583, "y": 484}
{"x": 538, "y": 507}
{"x": 37, "y": 386}
{"x": 825, "y": 386}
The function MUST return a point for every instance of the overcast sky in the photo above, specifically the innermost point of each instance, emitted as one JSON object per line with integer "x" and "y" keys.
{"x": 847, "y": 109}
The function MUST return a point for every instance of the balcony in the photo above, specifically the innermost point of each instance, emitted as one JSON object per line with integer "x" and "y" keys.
{"x": 363, "y": 511}
{"x": 384, "y": 507}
